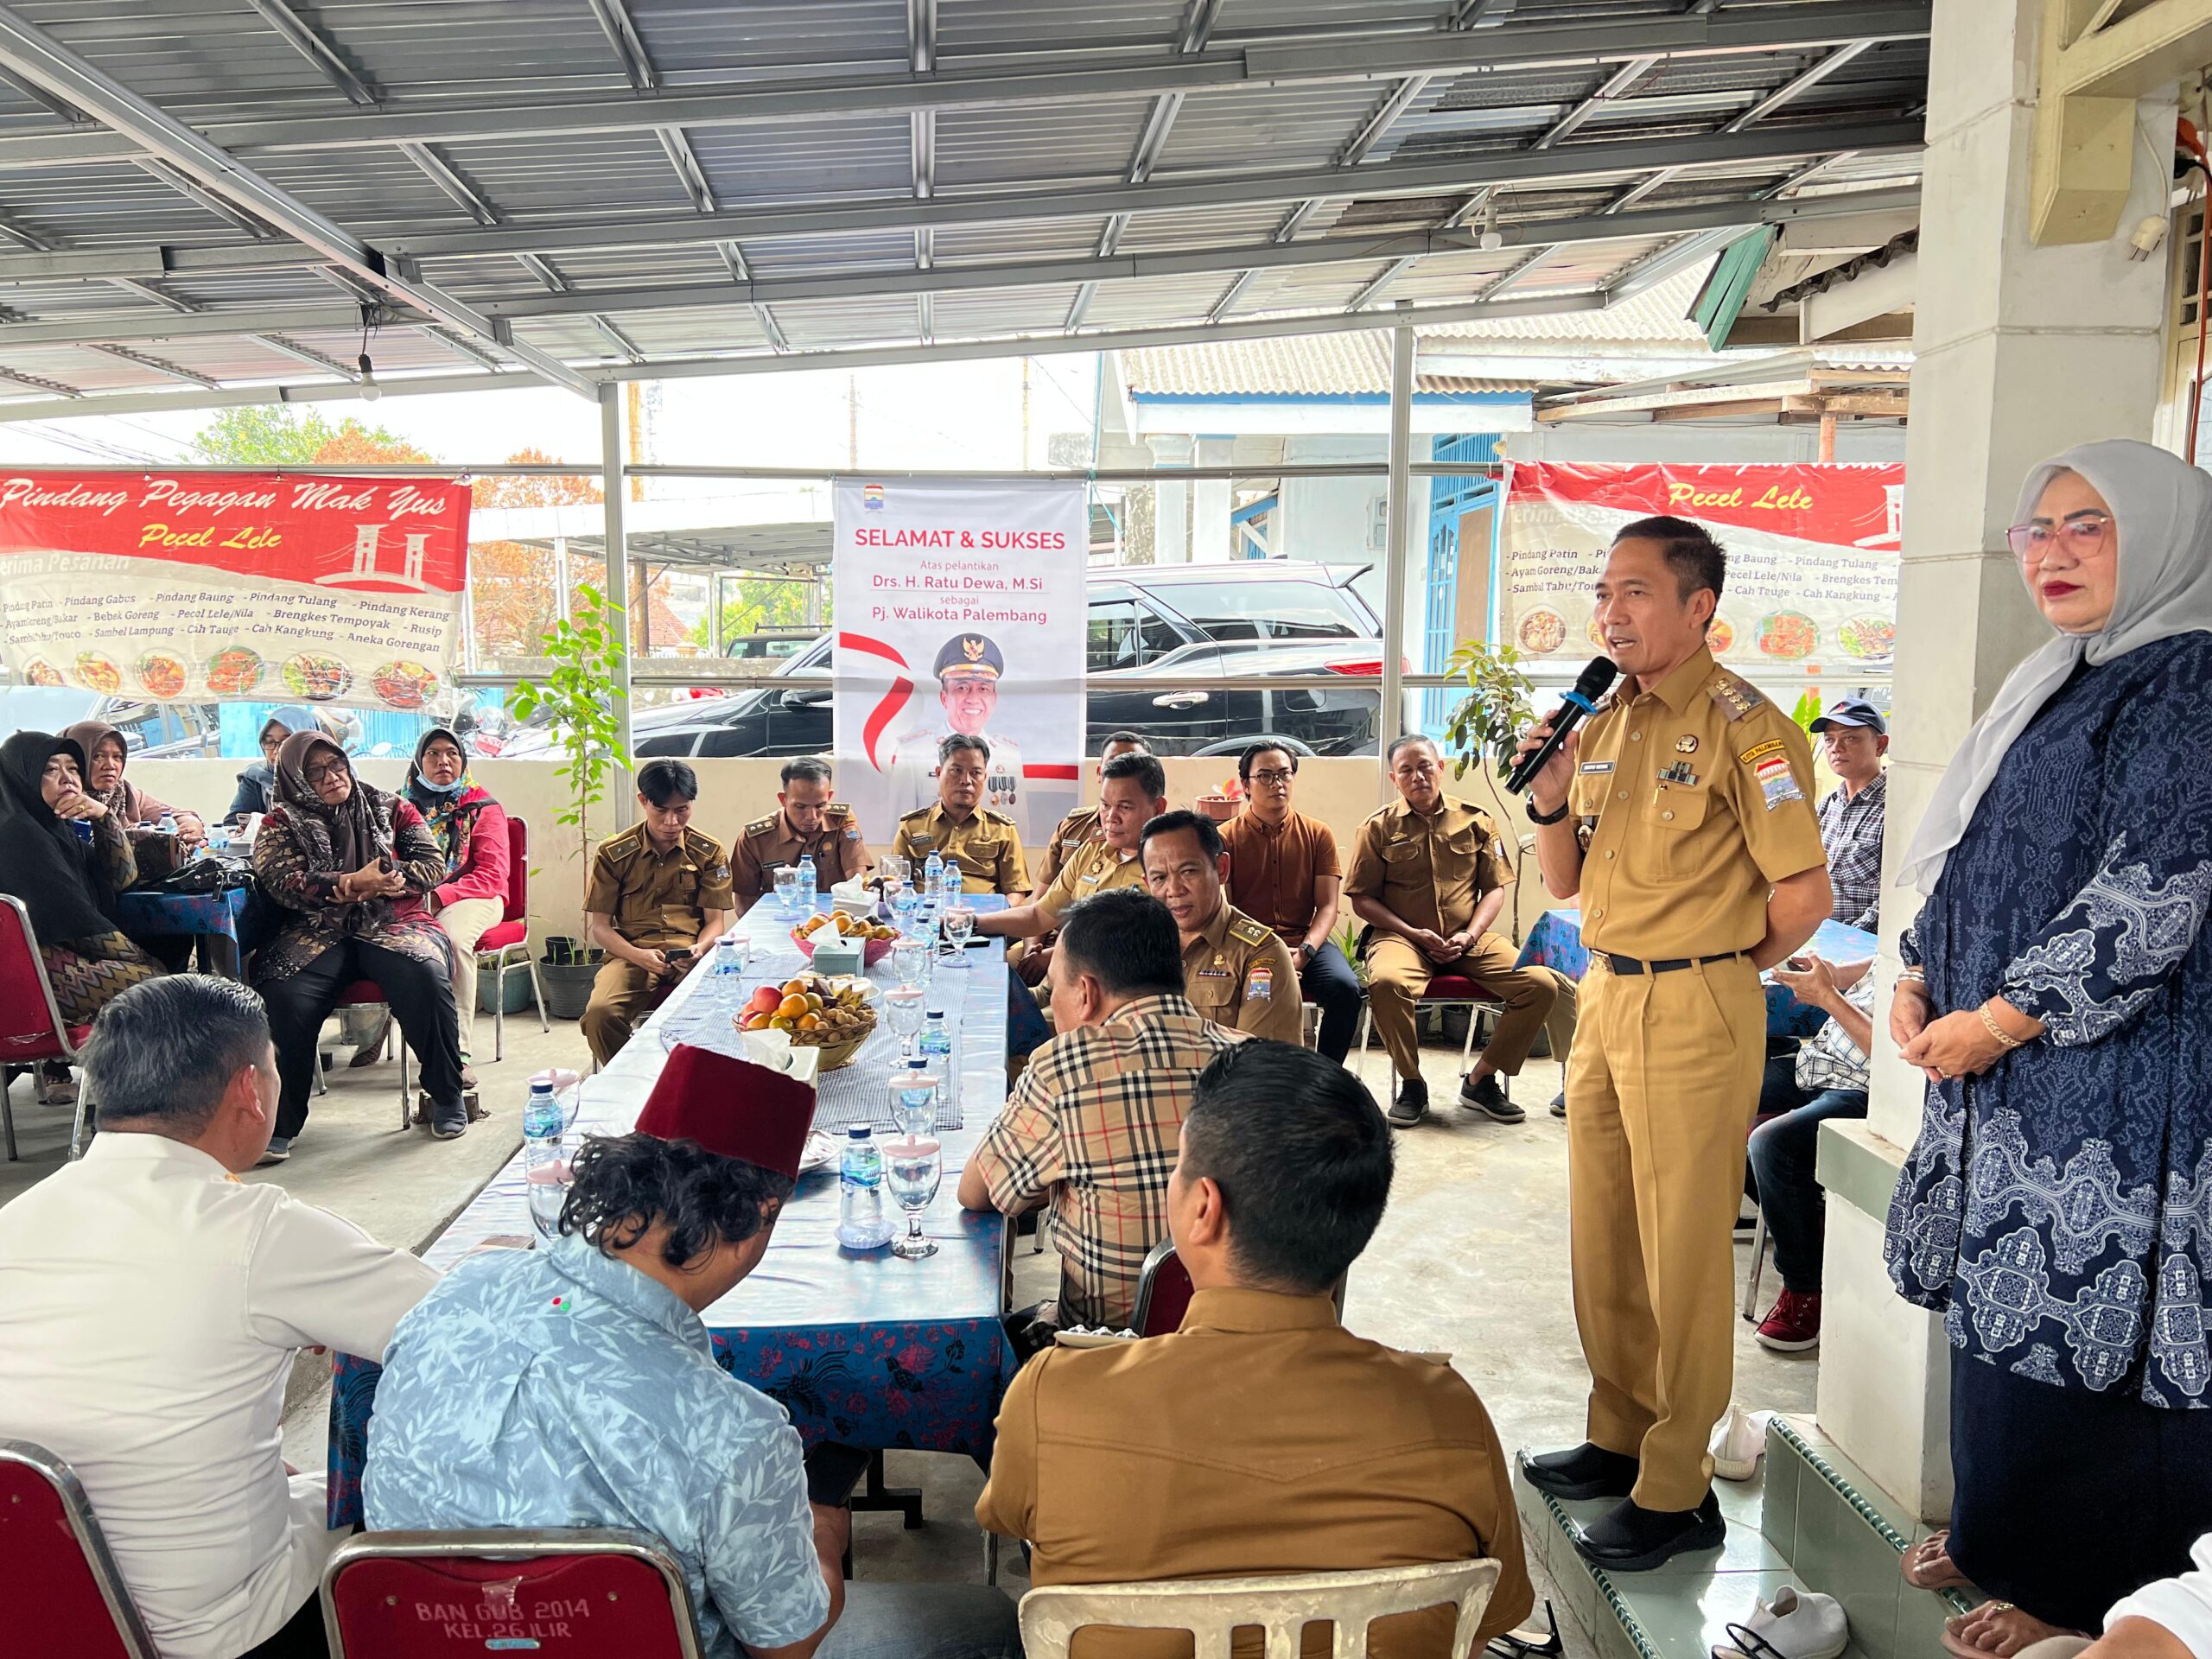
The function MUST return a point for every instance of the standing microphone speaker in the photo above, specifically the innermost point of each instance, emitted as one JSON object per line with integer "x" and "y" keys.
{"x": 1591, "y": 685}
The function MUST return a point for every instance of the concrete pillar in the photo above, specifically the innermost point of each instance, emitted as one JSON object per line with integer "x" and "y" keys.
{"x": 2020, "y": 351}
{"x": 1209, "y": 538}
{"x": 1170, "y": 518}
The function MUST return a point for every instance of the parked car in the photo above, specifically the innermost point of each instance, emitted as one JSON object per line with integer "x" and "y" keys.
{"x": 153, "y": 730}
{"x": 1147, "y": 624}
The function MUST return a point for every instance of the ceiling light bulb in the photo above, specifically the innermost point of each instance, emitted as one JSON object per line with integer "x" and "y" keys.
{"x": 370, "y": 390}
{"x": 1492, "y": 239}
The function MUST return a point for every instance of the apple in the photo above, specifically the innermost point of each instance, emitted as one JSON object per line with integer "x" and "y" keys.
{"x": 764, "y": 1000}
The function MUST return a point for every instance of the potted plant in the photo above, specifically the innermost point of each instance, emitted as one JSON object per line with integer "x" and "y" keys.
{"x": 580, "y": 691}
{"x": 1497, "y": 710}
{"x": 1225, "y": 803}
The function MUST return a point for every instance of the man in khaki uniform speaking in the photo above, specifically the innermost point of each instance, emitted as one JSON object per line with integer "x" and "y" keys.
{"x": 961, "y": 831}
{"x": 1680, "y": 816}
{"x": 806, "y": 825}
{"x": 1029, "y": 959}
{"x": 659, "y": 896}
{"x": 1236, "y": 971}
{"x": 1429, "y": 876}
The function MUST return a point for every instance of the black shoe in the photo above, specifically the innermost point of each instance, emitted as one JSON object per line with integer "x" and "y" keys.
{"x": 1631, "y": 1539}
{"x": 1488, "y": 1097}
{"x": 1411, "y": 1105}
{"x": 448, "y": 1122}
{"x": 1588, "y": 1471}
{"x": 1559, "y": 1104}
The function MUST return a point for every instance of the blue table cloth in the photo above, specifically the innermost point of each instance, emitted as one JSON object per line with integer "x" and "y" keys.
{"x": 148, "y": 915}
{"x": 861, "y": 1348}
{"x": 1555, "y": 941}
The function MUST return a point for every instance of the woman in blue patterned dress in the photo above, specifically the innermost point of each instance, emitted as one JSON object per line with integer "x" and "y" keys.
{"x": 2057, "y": 991}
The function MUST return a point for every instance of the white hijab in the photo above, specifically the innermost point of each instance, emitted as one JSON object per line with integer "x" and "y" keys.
{"x": 2162, "y": 513}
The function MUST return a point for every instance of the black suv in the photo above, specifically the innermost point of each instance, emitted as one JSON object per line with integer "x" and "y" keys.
{"x": 1148, "y": 623}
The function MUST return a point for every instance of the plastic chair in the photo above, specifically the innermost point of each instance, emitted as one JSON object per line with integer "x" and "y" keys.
{"x": 509, "y": 935}
{"x": 363, "y": 994}
{"x": 31, "y": 1026}
{"x": 63, "y": 1592}
{"x": 1281, "y": 1606}
{"x": 563, "y": 1593}
{"x": 1447, "y": 991}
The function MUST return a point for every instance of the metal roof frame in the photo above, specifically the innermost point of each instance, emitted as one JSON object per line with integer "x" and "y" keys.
{"x": 209, "y": 205}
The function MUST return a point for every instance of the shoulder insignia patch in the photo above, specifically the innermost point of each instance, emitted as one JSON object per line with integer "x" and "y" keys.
{"x": 917, "y": 815}
{"x": 761, "y": 826}
{"x": 618, "y": 848}
{"x": 1759, "y": 752}
{"x": 992, "y": 816}
{"x": 719, "y": 874}
{"x": 837, "y": 809}
{"x": 1249, "y": 931}
{"x": 1736, "y": 697}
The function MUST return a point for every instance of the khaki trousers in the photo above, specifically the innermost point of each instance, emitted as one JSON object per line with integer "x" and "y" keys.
{"x": 622, "y": 993}
{"x": 1537, "y": 999}
{"x": 466, "y": 923}
{"x": 1660, "y": 1097}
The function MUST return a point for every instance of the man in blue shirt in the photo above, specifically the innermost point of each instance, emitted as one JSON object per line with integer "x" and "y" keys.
{"x": 576, "y": 1387}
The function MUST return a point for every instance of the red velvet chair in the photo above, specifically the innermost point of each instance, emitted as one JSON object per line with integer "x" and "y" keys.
{"x": 1163, "y": 1292}
{"x": 1448, "y": 990}
{"x": 58, "y": 1579}
{"x": 581, "y": 1594}
{"x": 509, "y": 940}
{"x": 32, "y": 1029}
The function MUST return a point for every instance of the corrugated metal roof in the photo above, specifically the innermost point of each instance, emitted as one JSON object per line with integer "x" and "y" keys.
{"x": 1659, "y": 313}
{"x": 677, "y": 171}
{"x": 1324, "y": 366}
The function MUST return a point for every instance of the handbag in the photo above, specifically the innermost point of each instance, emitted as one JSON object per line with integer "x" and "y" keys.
{"x": 199, "y": 875}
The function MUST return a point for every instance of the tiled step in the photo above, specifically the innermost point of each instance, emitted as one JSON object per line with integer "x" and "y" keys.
{"x": 1809, "y": 1518}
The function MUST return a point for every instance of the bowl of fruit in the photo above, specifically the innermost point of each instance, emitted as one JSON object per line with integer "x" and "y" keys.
{"x": 876, "y": 939}
{"x": 831, "y": 1013}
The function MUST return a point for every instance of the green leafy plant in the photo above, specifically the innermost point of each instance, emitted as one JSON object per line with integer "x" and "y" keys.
{"x": 1806, "y": 711}
{"x": 1499, "y": 707}
{"x": 581, "y": 693}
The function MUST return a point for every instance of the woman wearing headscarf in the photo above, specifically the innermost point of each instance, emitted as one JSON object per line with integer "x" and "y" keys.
{"x": 2056, "y": 1208}
{"x": 68, "y": 884}
{"x": 257, "y": 790}
{"x": 472, "y": 829}
{"x": 351, "y": 866}
{"x": 106, "y": 754}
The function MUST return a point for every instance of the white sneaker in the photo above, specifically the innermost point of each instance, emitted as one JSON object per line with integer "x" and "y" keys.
{"x": 1794, "y": 1625}
{"x": 1738, "y": 1442}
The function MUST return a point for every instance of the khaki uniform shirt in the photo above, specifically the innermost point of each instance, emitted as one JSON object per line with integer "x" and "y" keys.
{"x": 769, "y": 844}
{"x": 1261, "y": 1437}
{"x": 659, "y": 898}
{"x": 1238, "y": 973}
{"x": 1429, "y": 871}
{"x": 1096, "y": 866}
{"x": 1693, "y": 801}
{"x": 1080, "y": 826}
{"x": 987, "y": 848}
{"x": 1272, "y": 872}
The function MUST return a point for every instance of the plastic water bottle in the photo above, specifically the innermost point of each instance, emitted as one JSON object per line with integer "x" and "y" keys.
{"x": 936, "y": 1047}
{"x": 168, "y": 825}
{"x": 729, "y": 961}
{"x": 810, "y": 887}
{"x": 932, "y": 880}
{"x": 546, "y": 1181}
{"x": 863, "y": 1221}
{"x": 913, "y": 1099}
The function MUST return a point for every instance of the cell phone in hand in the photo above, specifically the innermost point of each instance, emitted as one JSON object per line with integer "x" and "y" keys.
{"x": 1799, "y": 964}
{"x": 679, "y": 956}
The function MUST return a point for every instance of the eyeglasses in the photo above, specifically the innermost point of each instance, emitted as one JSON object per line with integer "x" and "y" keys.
{"x": 315, "y": 774}
{"x": 1271, "y": 779}
{"x": 2080, "y": 536}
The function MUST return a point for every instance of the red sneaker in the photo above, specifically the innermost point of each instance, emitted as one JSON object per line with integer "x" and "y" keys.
{"x": 1794, "y": 1324}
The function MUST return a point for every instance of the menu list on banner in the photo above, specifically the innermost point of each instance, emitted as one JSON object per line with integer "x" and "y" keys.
{"x": 234, "y": 586}
{"x": 1812, "y": 554}
{"x": 961, "y": 606}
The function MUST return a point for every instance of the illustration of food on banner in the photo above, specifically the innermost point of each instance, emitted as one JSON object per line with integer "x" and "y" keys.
{"x": 1812, "y": 550}
{"x": 961, "y": 609}
{"x": 233, "y": 586}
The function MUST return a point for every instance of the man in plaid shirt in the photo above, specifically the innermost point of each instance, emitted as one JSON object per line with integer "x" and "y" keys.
{"x": 1094, "y": 1121}
{"x": 1853, "y": 737}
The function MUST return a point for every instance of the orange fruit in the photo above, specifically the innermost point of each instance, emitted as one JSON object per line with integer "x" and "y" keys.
{"x": 792, "y": 1006}
{"x": 793, "y": 986}
{"x": 808, "y": 1023}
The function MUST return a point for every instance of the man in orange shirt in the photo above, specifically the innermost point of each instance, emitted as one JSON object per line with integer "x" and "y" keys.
{"x": 1284, "y": 872}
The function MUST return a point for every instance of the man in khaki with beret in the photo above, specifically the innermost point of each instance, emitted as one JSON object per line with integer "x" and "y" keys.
{"x": 1236, "y": 971}
{"x": 807, "y": 823}
{"x": 1429, "y": 877}
{"x": 1680, "y": 817}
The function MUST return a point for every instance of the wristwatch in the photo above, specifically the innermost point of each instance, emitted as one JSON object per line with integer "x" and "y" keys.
{"x": 1535, "y": 817}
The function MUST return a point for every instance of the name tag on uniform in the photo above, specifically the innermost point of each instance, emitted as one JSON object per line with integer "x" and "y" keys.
{"x": 1592, "y": 767}
{"x": 1094, "y": 875}
{"x": 1213, "y": 973}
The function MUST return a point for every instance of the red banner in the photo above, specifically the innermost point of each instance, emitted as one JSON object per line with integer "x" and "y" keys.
{"x": 1812, "y": 555}
{"x": 249, "y": 586}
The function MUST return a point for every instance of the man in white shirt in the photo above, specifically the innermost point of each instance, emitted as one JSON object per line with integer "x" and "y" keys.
{"x": 151, "y": 1306}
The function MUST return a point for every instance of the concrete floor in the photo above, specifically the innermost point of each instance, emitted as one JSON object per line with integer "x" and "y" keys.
{"x": 1471, "y": 1260}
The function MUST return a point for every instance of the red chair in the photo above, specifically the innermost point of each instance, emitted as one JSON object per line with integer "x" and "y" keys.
{"x": 1447, "y": 991}
{"x": 1163, "y": 1292}
{"x": 364, "y": 993}
{"x": 509, "y": 938}
{"x": 563, "y": 1593}
{"x": 57, "y": 1577}
{"x": 32, "y": 1029}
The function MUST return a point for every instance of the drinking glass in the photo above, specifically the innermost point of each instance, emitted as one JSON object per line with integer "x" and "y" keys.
{"x": 910, "y": 960}
{"x": 913, "y": 1102}
{"x": 959, "y": 924}
{"x": 903, "y": 1010}
{"x": 892, "y": 867}
{"x": 913, "y": 1167}
{"x": 787, "y": 893}
{"x": 546, "y": 1188}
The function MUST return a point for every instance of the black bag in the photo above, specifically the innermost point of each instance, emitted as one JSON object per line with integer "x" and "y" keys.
{"x": 201, "y": 875}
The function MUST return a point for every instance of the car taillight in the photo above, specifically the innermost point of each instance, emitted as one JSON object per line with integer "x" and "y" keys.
{"x": 1368, "y": 668}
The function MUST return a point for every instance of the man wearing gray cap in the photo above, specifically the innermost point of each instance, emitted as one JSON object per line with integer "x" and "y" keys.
{"x": 1853, "y": 738}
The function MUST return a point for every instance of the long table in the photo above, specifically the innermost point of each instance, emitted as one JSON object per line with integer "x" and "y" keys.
{"x": 861, "y": 1348}
{"x": 1555, "y": 941}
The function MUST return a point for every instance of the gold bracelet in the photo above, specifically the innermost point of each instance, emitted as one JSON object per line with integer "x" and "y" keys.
{"x": 1996, "y": 1030}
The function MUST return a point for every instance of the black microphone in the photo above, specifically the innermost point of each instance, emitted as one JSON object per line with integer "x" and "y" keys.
{"x": 1592, "y": 685}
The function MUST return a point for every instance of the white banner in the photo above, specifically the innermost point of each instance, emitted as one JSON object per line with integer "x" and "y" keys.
{"x": 960, "y": 608}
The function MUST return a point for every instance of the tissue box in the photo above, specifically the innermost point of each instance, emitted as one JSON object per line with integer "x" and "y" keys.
{"x": 837, "y": 956}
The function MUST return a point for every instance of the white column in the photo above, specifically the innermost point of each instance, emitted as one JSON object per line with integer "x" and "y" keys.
{"x": 2020, "y": 350}
{"x": 1397, "y": 538}
{"x": 1209, "y": 538}
{"x": 1170, "y": 518}
{"x": 612, "y": 447}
